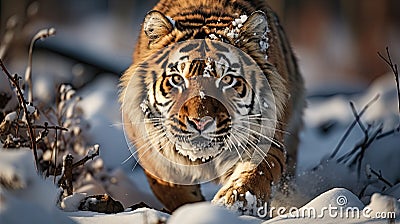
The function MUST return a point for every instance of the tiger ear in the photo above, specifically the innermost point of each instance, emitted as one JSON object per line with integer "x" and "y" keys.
{"x": 256, "y": 24}
{"x": 156, "y": 25}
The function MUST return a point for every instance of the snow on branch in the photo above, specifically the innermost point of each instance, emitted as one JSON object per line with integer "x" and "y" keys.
{"x": 22, "y": 102}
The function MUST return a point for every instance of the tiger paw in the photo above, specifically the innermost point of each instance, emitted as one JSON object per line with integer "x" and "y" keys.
{"x": 241, "y": 198}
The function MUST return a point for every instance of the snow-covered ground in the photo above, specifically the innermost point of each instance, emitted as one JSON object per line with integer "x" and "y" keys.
{"x": 326, "y": 190}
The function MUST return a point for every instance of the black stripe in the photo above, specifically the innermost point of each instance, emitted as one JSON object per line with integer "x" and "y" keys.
{"x": 162, "y": 57}
{"x": 247, "y": 61}
{"x": 220, "y": 47}
{"x": 163, "y": 104}
{"x": 177, "y": 129}
{"x": 188, "y": 48}
{"x": 171, "y": 106}
{"x": 162, "y": 90}
{"x": 144, "y": 65}
{"x": 154, "y": 74}
{"x": 243, "y": 105}
{"x": 235, "y": 65}
{"x": 242, "y": 94}
{"x": 223, "y": 130}
{"x": 196, "y": 67}
{"x": 223, "y": 122}
{"x": 176, "y": 120}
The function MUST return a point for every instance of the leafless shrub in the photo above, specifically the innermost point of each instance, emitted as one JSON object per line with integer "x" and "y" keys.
{"x": 53, "y": 134}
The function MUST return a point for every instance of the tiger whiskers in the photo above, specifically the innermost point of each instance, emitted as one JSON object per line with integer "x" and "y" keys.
{"x": 258, "y": 117}
{"x": 239, "y": 144}
{"x": 245, "y": 137}
{"x": 155, "y": 120}
{"x": 146, "y": 151}
{"x": 229, "y": 147}
{"x": 263, "y": 136}
{"x": 155, "y": 134}
{"x": 264, "y": 126}
{"x": 133, "y": 150}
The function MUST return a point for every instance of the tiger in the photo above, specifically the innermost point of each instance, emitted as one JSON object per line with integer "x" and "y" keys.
{"x": 214, "y": 93}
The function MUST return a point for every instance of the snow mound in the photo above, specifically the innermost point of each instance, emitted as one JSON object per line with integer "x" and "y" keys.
{"x": 139, "y": 216}
{"x": 339, "y": 205}
{"x": 336, "y": 197}
{"x": 382, "y": 205}
{"x": 24, "y": 196}
{"x": 203, "y": 213}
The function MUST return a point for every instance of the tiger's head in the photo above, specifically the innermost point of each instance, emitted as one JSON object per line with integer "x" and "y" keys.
{"x": 200, "y": 94}
{"x": 200, "y": 99}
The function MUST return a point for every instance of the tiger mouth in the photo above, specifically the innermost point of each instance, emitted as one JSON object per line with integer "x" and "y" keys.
{"x": 199, "y": 150}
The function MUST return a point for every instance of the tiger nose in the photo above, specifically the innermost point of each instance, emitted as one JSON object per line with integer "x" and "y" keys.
{"x": 200, "y": 124}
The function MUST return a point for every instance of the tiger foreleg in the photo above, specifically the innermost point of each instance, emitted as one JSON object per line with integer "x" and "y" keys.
{"x": 249, "y": 186}
{"x": 172, "y": 195}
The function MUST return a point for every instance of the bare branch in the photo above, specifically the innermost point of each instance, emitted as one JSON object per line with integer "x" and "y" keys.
{"x": 378, "y": 175}
{"x": 55, "y": 155}
{"x": 42, "y": 34}
{"x": 350, "y": 128}
{"x": 91, "y": 154}
{"x": 66, "y": 177}
{"x": 22, "y": 103}
{"x": 395, "y": 71}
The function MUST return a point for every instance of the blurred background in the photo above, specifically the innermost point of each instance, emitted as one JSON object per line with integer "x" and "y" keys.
{"x": 336, "y": 41}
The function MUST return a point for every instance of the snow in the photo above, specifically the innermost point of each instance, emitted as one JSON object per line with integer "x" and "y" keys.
{"x": 11, "y": 116}
{"x": 203, "y": 213}
{"x": 22, "y": 189}
{"x": 213, "y": 37}
{"x": 340, "y": 205}
{"x": 239, "y": 21}
{"x": 139, "y": 216}
{"x": 328, "y": 185}
{"x": 237, "y": 24}
{"x": 101, "y": 109}
{"x": 31, "y": 109}
{"x": 71, "y": 203}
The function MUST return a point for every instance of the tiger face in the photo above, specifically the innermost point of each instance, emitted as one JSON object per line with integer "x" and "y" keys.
{"x": 203, "y": 102}
{"x": 201, "y": 95}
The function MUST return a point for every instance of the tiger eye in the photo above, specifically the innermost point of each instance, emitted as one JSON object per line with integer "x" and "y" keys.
{"x": 228, "y": 79}
{"x": 177, "y": 79}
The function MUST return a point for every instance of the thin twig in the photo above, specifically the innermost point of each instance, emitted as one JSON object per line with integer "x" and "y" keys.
{"x": 358, "y": 119}
{"x": 55, "y": 155}
{"x": 55, "y": 127}
{"x": 42, "y": 34}
{"x": 22, "y": 102}
{"x": 380, "y": 177}
{"x": 359, "y": 149}
{"x": 91, "y": 154}
{"x": 43, "y": 133}
{"x": 66, "y": 177}
{"x": 395, "y": 71}
{"x": 388, "y": 133}
{"x": 350, "y": 128}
